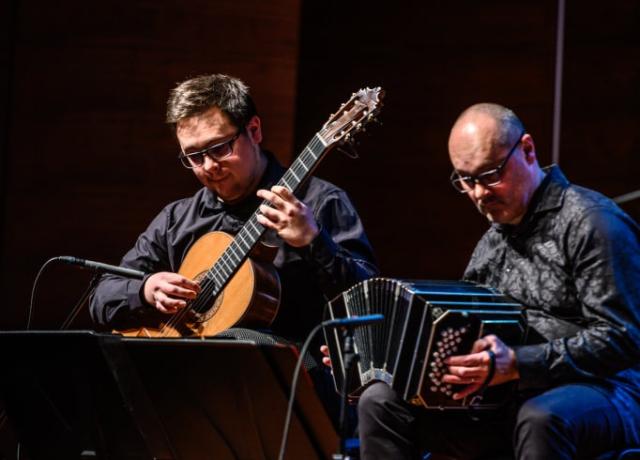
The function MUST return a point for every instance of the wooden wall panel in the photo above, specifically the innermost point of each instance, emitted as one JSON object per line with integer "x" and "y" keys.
{"x": 435, "y": 59}
{"x": 89, "y": 159}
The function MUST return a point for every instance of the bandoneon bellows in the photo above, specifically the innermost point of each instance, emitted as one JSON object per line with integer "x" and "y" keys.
{"x": 424, "y": 322}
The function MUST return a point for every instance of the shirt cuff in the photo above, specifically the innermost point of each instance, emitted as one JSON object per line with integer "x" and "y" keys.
{"x": 135, "y": 295}
{"x": 532, "y": 367}
{"x": 322, "y": 250}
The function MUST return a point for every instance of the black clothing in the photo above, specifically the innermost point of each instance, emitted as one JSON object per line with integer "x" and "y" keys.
{"x": 574, "y": 263}
{"x": 538, "y": 427}
{"x": 339, "y": 256}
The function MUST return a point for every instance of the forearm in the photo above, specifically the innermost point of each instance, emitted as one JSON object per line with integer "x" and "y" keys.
{"x": 593, "y": 353}
{"x": 115, "y": 301}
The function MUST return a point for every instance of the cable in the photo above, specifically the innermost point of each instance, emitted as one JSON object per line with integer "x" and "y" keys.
{"x": 294, "y": 383}
{"x": 33, "y": 290}
{"x": 627, "y": 197}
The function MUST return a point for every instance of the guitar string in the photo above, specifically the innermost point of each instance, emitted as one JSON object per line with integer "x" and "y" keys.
{"x": 223, "y": 276}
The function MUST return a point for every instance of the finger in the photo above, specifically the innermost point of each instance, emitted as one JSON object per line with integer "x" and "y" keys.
{"x": 326, "y": 361}
{"x": 272, "y": 198}
{"x": 169, "y": 303}
{"x": 457, "y": 380}
{"x": 284, "y": 193}
{"x": 466, "y": 372}
{"x": 475, "y": 359}
{"x": 177, "y": 279}
{"x": 272, "y": 214}
{"x": 480, "y": 345}
{"x": 266, "y": 222}
{"x": 161, "y": 308}
{"x": 283, "y": 199}
{"x": 165, "y": 308}
{"x": 466, "y": 391}
{"x": 324, "y": 350}
{"x": 173, "y": 290}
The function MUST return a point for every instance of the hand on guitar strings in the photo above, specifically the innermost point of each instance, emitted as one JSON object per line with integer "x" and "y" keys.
{"x": 168, "y": 292}
{"x": 475, "y": 368}
{"x": 292, "y": 220}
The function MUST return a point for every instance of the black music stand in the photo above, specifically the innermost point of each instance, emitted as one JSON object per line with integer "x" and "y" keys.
{"x": 79, "y": 394}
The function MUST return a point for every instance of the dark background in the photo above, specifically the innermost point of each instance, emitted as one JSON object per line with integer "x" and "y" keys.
{"x": 87, "y": 160}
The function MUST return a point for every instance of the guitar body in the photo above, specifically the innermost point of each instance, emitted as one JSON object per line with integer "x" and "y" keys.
{"x": 250, "y": 299}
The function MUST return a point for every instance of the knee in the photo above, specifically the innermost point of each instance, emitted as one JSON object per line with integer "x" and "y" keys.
{"x": 538, "y": 423}
{"x": 375, "y": 401}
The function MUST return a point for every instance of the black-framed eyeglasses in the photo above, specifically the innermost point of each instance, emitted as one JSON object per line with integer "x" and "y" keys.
{"x": 216, "y": 152}
{"x": 465, "y": 184}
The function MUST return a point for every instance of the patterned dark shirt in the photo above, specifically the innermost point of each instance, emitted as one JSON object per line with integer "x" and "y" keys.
{"x": 339, "y": 257}
{"x": 574, "y": 262}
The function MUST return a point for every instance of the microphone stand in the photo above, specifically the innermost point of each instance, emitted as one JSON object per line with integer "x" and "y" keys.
{"x": 350, "y": 358}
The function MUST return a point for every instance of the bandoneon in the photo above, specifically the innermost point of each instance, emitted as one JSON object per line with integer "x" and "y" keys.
{"x": 424, "y": 322}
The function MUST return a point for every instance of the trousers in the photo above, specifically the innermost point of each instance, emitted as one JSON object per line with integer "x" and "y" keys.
{"x": 574, "y": 421}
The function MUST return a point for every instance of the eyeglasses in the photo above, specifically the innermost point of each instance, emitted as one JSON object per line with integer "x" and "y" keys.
{"x": 216, "y": 152}
{"x": 465, "y": 184}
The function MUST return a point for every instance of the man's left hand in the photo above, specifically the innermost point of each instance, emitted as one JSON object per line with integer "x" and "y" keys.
{"x": 473, "y": 369}
{"x": 289, "y": 217}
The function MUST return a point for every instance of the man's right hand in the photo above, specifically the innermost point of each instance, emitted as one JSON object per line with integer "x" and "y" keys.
{"x": 325, "y": 358}
{"x": 168, "y": 292}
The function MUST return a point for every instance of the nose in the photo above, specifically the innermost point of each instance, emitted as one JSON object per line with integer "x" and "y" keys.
{"x": 479, "y": 190}
{"x": 210, "y": 163}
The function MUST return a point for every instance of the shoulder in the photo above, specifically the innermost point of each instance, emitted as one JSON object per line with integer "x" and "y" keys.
{"x": 320, "y": 191}
{"x": 595, "y": 222}
{"x": 591, "y": 209}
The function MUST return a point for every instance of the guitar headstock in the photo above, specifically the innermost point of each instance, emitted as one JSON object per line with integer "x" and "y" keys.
{"x": 352, "y": 116}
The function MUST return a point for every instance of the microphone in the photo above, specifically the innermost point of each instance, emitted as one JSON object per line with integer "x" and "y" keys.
{"x": 102, "y": 268}
{"x": 354, "y": 321}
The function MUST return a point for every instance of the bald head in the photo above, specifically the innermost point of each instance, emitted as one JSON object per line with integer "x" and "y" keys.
{"x": 487, "y": 125}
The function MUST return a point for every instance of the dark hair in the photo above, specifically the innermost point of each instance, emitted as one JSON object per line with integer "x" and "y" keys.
{"x": 199, "y": 94}
{"x": 509, "y": 125}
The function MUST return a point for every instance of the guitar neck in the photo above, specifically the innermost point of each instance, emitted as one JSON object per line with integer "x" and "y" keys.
{"x": 251, "y": 232}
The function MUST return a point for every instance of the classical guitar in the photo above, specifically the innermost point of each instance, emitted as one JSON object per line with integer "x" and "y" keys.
{"x": 239, "y": 287}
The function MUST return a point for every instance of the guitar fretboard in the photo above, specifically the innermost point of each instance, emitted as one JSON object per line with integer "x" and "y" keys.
{"x": 229, "y": 262}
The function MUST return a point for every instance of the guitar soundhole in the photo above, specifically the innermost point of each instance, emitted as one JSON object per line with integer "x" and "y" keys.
{"x": 204, "y": 311}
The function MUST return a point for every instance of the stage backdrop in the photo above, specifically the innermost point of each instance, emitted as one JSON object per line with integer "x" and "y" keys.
{"x": 87, "y": 160}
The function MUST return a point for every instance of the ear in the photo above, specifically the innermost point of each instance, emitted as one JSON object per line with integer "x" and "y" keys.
{"x": 529, "y": 149}
{"x": 254, "y": 129}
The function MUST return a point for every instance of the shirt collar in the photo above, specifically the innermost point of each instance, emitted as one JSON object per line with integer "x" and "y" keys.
{"x": 548, "y": 196}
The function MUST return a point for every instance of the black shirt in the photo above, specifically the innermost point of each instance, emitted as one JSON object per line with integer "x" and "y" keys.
{"x": 574, "y": 262}
{"x": 339, "y": 256}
